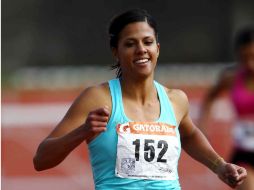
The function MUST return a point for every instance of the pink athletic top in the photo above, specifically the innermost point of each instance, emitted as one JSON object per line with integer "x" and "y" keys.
{"x": 243, "y": 98}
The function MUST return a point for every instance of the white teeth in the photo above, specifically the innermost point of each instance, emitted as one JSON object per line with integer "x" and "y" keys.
{"x": 141, "y": 61}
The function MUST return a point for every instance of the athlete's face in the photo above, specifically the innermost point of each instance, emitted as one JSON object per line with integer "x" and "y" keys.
{"x": 246, "y": 56}
{"x": 137, "y": 49}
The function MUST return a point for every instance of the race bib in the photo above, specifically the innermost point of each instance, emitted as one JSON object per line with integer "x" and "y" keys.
{"x": 147, "y": 150}
{"x": 243, "y": 134}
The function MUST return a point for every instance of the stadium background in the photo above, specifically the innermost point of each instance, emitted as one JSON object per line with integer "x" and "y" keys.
{"x": 51, "y": 50}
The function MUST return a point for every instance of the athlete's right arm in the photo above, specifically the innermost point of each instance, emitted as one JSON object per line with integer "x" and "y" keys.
{"x": 78, "y": 125}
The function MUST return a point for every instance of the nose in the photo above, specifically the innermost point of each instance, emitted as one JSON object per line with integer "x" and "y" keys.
{"x": 141, "y": 49}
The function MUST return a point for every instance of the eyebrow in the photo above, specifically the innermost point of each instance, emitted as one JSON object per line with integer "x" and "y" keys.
{"x": 134, "y": 39}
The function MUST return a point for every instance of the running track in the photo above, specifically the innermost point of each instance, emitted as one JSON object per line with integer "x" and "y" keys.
{"x": 28, "y": 116}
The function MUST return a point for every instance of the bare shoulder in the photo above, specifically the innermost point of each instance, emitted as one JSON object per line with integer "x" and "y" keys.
{"x": 95, "y": 96}
{"x": 91, "y": 98}
{"x": 177, "y": 96}
{"x": 179, "y": 102}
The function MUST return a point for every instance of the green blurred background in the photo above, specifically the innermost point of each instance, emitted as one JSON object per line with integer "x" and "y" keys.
{"x": 74, "y": 33}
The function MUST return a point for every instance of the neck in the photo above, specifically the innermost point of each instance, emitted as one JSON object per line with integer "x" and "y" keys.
{"x": 139, "y": 90}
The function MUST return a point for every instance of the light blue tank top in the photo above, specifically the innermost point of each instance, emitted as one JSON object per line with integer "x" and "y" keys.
{"x": 103, "y": 149}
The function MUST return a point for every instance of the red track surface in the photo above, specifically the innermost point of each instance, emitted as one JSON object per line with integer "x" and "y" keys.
{"x": 19, "y": 143}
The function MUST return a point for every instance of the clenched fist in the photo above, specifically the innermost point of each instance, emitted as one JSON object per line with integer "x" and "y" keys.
{"x": 96, "y": 122}
{"x": 232, "y": 174}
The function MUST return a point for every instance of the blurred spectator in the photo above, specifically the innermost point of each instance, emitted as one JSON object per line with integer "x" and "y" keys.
{"x": 238, "y": 81}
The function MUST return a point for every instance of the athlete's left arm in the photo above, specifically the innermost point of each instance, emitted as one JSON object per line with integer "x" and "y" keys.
{"x": 197, "y": 146}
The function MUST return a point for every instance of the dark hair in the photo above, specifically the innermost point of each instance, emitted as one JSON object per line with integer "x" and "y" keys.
{"x": 120, "y": 21}
{"x": 244, "y": 37}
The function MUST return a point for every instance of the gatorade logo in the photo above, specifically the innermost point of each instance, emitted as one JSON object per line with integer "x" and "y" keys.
{"x": 146, "y": 128}
{"x": 123, "y": 128}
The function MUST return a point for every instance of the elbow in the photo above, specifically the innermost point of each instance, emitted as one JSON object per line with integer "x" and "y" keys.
{"x": 46, "y": 157}
{"x": 37, "y": 165}
{"x": 44, "y": 163}
{"x": 40, "y": 158}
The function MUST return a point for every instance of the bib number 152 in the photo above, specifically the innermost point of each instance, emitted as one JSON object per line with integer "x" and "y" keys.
{"x": 149, "y": 150}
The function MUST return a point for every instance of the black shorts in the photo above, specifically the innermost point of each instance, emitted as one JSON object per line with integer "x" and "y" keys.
{"x": 243, "y": 157}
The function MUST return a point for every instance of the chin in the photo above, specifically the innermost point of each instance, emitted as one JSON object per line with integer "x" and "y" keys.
{"x": 145, "y": 74}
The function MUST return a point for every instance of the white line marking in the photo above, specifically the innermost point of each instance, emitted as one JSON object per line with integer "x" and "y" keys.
{"x": 30, "y": 115}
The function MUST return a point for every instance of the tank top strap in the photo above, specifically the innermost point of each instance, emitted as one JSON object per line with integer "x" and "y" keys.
{"x": 167, "y": 111}
{"x": 116, "y": 97}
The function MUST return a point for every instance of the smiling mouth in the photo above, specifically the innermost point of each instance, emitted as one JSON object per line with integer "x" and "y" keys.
{"x": 141, "y": 61}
